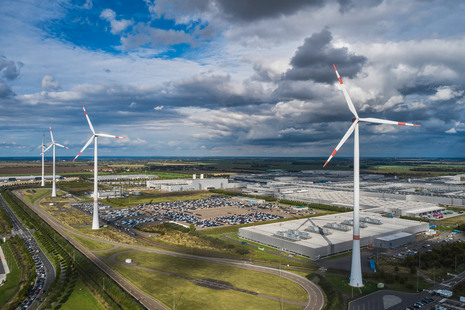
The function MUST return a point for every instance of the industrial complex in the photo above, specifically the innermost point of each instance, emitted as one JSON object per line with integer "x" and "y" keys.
{"x": 323, "y": 236}
{"x": 194, "y": 184}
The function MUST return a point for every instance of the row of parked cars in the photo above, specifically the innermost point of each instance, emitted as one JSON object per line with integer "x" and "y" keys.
{"x": 421, "y": 304}
{"x": 34, "y": 293}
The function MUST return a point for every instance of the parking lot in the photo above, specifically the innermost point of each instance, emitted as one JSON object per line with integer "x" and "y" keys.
{"x": 203, "y": 213}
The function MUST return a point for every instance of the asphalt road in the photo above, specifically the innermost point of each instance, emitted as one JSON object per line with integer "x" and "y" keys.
{"x": 315, "y": 302}
{"x": 19, "y": 229}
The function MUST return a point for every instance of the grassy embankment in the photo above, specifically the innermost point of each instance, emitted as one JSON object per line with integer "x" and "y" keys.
{"x": 81, "y": 298}
{"x": 90, "y": 244}
{"x": 12, "y": 279}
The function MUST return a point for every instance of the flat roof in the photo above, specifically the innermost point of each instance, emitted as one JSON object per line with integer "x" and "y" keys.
{"x": 337, "y": 236}
{"x": 395, "y": 236}
{"x": 346, "y": 198}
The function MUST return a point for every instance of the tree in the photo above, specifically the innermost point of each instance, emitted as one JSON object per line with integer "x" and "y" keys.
{"x": 192, "y": 227}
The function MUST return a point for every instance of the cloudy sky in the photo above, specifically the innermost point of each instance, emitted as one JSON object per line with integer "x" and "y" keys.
{"x": 232, "y": 78}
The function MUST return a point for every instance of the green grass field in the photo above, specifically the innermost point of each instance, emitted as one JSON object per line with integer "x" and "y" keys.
{"x": 134, "y": 200}
{"x": 460, "y": 219}
{"x": 192, "y": 297}
{"x": 109, "y": 253}
{"x": 39, "y": 194}
{"x": 12, "y": 279}
{"x": 90, "y": 244}
{"x": 343, "y": 285}
{"x": 241, "y": 278}
{"x": 81, "y": 298}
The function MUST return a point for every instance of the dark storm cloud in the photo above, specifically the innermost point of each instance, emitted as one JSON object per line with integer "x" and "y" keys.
{"x": 5, "y": 91}
{"x": 247, "y": 10}
{"x": 314, "y": 59}
{"x": 347, "y": 5}
{"x": 10, "y": 69}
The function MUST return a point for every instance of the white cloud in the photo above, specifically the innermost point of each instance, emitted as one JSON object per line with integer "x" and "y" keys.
{"x": 393, "y": 101}
{"x": 158, "y": 108}
{"x": 87, "y": 5}
{"x": 132, "y": 105}
{"x": 117, "y": 26}
{"x": 452, "y": 130}
{"x": 445, "y": 93}
{"x": 49, "y": 83}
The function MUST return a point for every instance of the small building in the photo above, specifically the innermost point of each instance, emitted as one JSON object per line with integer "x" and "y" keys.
{"x": 128, "y": 260}
{"x": 444, "y": 293}
{"x": 394, "y": 240}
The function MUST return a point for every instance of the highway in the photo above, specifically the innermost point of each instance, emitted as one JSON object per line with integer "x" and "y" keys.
{"x": 315, "y": 302}
{"x": 33, "y": 247}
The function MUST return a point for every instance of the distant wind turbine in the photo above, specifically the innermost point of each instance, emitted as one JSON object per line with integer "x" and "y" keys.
{"x": 54, "y": 189}
{"x": 356, "y": 270}
{"x": 43, "y": 146}
{"x": 95, "y": 222}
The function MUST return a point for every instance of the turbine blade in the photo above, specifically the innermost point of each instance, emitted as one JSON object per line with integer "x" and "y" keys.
{"x": 346, "y": 95}
{"x": 109, "y": 136}
{"x": 344, "y": 139}
{"x": 385, "y": 121}
{"x": 88, "y": 120}
{"x": 85, "y": 146}
{"x": 51, "y": 134}
{"x": 62, "y": 146}
{"x": 35, "y": 148}
{"x": 46, "y": 149}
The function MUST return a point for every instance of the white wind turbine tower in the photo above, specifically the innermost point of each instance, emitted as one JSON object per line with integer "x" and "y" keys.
{"x": 43, "y": 146}
{"x": 356, "y": 269}
{"x": 95, "y": 222}
{"x": 54, "y": 189}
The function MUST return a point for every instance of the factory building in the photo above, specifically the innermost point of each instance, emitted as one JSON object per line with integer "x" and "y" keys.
{"x": 29, "y": 178}
{"x": 194, "y": 184}
{"x": 328, "y": 235}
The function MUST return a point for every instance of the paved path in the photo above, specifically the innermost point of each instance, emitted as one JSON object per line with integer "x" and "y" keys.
{"x": 316, "y": 298}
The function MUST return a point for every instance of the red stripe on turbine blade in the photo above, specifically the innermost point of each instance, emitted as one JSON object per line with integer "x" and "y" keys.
{"x": 116, "y": 137}
{"x": 334, "y": 68}
{"x": 340, "y": 80}
{"x": 399, "y": 123}
{"x": 416, "y": 125}
{"x": 124, "y": 138}
{"x": 325, "y": 164}
{"x": 335, "y": 151}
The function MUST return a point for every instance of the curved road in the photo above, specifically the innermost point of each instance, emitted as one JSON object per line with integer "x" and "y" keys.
{"x": 315, "y": 302}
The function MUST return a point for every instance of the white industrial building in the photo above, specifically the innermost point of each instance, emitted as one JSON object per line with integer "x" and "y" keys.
{"x": 328, "y": 235}
{"x": 194, "y": 184}
{"x": 29, "y": 178}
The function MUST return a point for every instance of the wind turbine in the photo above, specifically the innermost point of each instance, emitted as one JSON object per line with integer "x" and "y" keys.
{"x": 95, "y": 222}
{"x": 54, "y": 189}
{"x": 356, "y": 269}
{"x": 43, "y": 146}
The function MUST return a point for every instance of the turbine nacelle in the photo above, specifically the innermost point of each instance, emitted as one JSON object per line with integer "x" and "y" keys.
{"x": 356, "y": 120}
{"x": 95, "y": 135}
